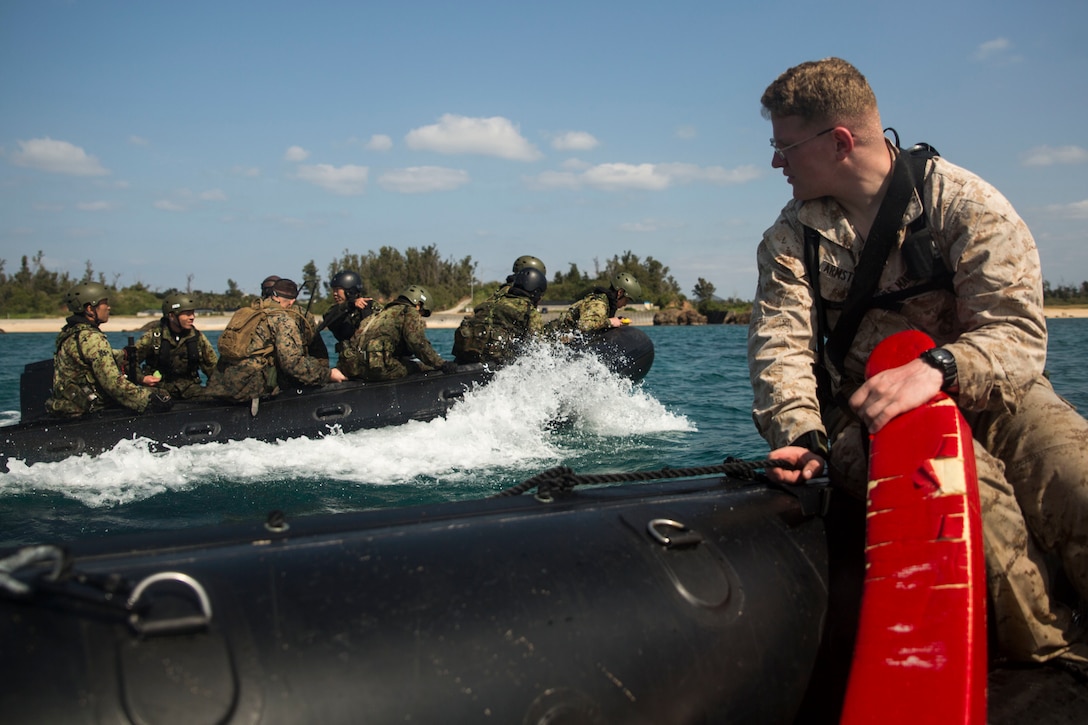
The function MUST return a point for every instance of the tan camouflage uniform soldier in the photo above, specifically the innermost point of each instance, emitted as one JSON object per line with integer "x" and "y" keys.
{"x": 176, "y": 350}
{"x": 87, "y": 374}
{"x": 381, "y": 346}
{"x": 275, "y": 354}
{"x": 1030, "y": 444}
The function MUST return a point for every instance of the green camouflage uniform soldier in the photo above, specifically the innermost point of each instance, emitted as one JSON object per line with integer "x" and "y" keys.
{"x": 498, "y": 328}
{"x": 380, "y": 349}
{"x": 597, "y": 310}
{"x": 87, "y": 372}
{"x": 271, "y": 356}
{"x": 978, "y": 294}
{"x": 176, "y": 351}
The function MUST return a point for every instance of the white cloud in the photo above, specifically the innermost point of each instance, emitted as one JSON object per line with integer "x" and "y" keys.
{"x": 379, "y": 142}
{"x": 96, "y": 206}
{"x": 575, "y": 141}
{"x": 213, "y": 195}
{"x": 347, "y": 180}
{"x": 1075, "y": 210}
{"x": 612, "y": 177}
{"x": 138, "y": 140}
{"x": 59, "y": 157}
{"x": 645, "y": 177}
{"x": 296, "y": 154}
{"x": 495, "y": 136}
{"x": 421, "y": 179}
{"x": 686, "y": 132}
{"x": 247, "y": 171}
{"x": 167, "y": 205}
{"x": 998, "y": 50}
{"x": 573, "y": 164}
{"x": 1047, "y": 156}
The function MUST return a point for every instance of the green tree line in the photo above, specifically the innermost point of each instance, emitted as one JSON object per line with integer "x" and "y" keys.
{"x": 35, "y": 291}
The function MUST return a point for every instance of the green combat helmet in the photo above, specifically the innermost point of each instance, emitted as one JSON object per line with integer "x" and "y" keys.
{"x": 88, "y": 293}
{"x": 626, "y": 281}
{"x": 527, "y": 260}
{"x": 418, "y": 295}
{"x": 177, "y": 303}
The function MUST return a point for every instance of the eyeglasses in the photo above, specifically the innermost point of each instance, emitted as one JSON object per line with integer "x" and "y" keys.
{"x": 781, "y": 151}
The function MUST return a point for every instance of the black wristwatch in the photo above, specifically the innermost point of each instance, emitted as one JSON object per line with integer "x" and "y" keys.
{"x": 944, "y": 361}
{"x": 815, "y": 441}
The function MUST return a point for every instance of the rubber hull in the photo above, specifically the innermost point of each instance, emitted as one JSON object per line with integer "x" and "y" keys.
{"x": 692, "y": 601}
{"x": 310, "y": 412}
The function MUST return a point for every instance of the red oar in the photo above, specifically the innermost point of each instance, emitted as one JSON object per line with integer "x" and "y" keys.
{"x": 921, "y": 647}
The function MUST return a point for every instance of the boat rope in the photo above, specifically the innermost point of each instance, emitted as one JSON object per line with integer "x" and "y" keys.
{"x": 563, "y": 478}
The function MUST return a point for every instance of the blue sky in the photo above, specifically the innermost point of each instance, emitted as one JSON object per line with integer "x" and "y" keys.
{"x": 211, "y": 140}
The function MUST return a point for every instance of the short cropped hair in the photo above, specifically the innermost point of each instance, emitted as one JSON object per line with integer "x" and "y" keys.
{"x": 820, "y": 90}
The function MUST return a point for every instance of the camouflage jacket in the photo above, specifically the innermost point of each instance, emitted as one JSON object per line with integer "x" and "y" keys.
{"x": 179, "y": 358}
{"x": 991, "y": 320}
{"x": 287, "y": 364}
{"x": 588, "y": 314}
{"x": 497, "y": 328}
{"x": 87, "y": 375}
{"x": 398, "y": 331}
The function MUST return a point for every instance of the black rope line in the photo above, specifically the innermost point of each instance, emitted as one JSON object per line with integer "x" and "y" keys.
{"x": 563, "y": 478}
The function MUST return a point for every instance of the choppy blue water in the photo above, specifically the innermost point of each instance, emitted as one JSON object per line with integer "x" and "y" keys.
{"x": 691, "y": 410}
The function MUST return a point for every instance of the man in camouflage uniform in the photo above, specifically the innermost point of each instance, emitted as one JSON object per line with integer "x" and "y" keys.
{"x": 596, "y": 311}
{"x": 87, "y": 372}
{"x": 498, "y": 328}
{"x": 173, "y": 355}
{"x": 986, "y": 317}
{"x": 275, "y": 356}
{"x": 307, "y": 323}
{"x": 382, "y": 347}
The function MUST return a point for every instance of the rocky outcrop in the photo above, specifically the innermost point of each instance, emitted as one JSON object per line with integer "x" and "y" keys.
{"x": 685, "y": 315}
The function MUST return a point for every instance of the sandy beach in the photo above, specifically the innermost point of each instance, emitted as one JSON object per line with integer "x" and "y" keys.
{"x": 438, "y": 320}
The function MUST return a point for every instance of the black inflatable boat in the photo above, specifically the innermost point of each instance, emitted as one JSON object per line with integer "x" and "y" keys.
{"x": 307, "y": 412}
{"x": 694, "y": 600}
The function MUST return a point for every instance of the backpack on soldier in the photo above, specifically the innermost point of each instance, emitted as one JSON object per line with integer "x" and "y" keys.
{"x": 491, "y": 334}
{"x": 234, "y": 342}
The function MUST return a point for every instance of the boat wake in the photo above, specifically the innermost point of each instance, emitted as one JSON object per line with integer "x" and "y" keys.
{"x": 549, "y": 408}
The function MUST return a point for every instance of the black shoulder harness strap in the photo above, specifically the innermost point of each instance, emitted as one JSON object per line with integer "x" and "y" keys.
{"x": 908, "y": 172}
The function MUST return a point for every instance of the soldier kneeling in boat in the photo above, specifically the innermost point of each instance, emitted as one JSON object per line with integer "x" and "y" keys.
{"x": 383, "y": 347}
{"x": 88, "y": 374}
{"x": 500, "y": 326}
{"x": 172, "y": 356}
{"x": 596, "y": 311}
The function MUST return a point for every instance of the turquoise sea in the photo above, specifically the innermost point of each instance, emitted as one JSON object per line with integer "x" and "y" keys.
{"x": 691, "y": 410}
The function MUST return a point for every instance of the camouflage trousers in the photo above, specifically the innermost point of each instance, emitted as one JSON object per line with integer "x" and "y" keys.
{"x": 1033, "y": 489}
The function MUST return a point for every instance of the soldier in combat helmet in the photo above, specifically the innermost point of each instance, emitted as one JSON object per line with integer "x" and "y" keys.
{"x": 596, "y": 310}
{"x": 498, "y": 328}
{"x": 350, "y": 308}
{"x": 383, "y": 347}
{"x": 172, "y": 355}
{"x": 87, "y": 373}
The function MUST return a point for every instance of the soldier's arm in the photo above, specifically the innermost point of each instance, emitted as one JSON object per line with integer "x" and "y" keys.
{"x": 108, "y": 374}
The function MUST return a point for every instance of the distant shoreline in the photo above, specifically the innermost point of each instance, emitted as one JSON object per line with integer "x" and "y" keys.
{"x": 439, "y": 320}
